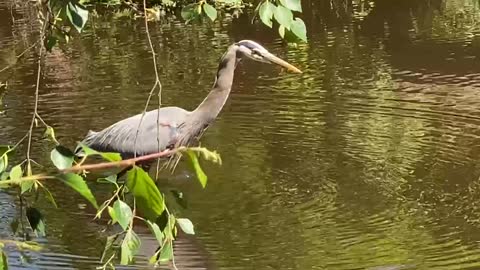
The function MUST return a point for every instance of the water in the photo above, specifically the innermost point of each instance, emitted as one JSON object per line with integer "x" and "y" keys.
{"x": 366, "y": 161}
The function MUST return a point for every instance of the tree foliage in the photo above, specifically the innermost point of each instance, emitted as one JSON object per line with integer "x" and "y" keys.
{"x": 72, "y": 15}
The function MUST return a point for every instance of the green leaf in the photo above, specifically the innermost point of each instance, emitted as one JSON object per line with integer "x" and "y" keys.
{"x": 156, "y": 231}
{"x": 190, "y": 12}
{"x": 283, "y": 16}
{"x": 77, "y": 15}
{"x": 130, "y": 246}
{"x": 4, "y": 151}
{"x": 202, "y": 177}
{"x": 266, "y": 13}
{"x": 166, "y": 254}
{"x": 148, "y": 198}
{"x": 294, "y": 5}
{"x": 281, "y": 31}
{"x": 26, "y": 186}
{"x": 50, "y": 42}
{"x": 186, "y": 225}
{"x": 105, "y": 155}
{"x": 112, "y": 214}
{"x": 123, "y": 213}
{"x": 76, "y": 182}
{"x": 49, "y": 196}
{"x": 108, "y": 245}
{"x": 49, "y": 131}
{"x": 299, "y": 29}
{"x": 16, "y": 173}
{"x": 35, "y": 219}
{"x": 3, "y": 163}
{"x": 3, "y": 260}
{"x": 111, "y": 156}
{"x": 210, "y": 11}
{"x": 112, "y": 179}
{"x": 61, "y": 157}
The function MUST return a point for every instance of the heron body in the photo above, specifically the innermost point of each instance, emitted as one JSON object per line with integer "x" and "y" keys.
{"x": 171, "y": 127}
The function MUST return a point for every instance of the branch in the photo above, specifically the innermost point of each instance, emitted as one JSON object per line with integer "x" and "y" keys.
{"x": 122, "y": 163}
{"x": 37, "y": 87}
{"x": 25, "y": 179}
{"x": 19, "y": 56}
{"x": 157, "y": 81}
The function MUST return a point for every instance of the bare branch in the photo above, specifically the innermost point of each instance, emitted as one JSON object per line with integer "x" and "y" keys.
{"x": 155, "y": 85}
{"x": 122, "y": 163}
{"x": 19, "y": 56}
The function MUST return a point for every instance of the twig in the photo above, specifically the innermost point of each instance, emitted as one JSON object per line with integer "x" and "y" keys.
{"x": 157, "y": 83}
{"x": 19, "y": 56}
{"x": 26, "y": 178}
{"x": 107, "y": 203}
{"x": 37, "y": 87}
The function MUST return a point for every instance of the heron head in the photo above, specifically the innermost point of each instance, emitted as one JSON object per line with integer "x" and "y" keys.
{"x": 256, "y": 52}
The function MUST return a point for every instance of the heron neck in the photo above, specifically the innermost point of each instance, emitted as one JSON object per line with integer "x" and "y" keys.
{"x": 215, "y": 100}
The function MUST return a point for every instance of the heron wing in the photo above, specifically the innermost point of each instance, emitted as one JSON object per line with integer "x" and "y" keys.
{"x": 120, "y": 137}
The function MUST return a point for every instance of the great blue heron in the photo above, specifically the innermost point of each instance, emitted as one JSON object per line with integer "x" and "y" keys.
{"x": 170, "y": 127}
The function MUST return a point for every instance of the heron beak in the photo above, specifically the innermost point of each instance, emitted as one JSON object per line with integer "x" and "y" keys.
{"x": 273, "y": 59}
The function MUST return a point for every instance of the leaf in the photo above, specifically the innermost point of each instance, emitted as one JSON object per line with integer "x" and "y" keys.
{"x": 105, "y": 155}
{"x": 190, "y": 12}
{"x": 49, "y": 43}
{"x": 4, "y": 151}
{"x": 49, "y": 196}
{"x": 26, "y": 186}
{"x": 266, "y": 13}
{"x": 16, "y": 173}
{"x": 77, "y": 15}
{"x": 295, "y": 5}
{"x": 3, "y": 163}
{"x": 28, "y": 245}
{"x": 3, "y": 260}
{"x": 148, "y": 198}
{"x": 108, "y": 245}
{"x": 210, "y": 11}
{"x": 166, "y": 253}
{"x": 76, "y": 182}
{"x": 112, "y": 179}
{"x": 111, "y": 156}
{"x": 299, "y": 29}
{"x": 61, "y": 157}
{"x": 123, "y": 213}
{"x": 130, "y": 246}
{"x": 186, "y": 225}
{"x": 35, "y": 219}
{"x": 49, "y": 131}
{"x": 283, "y": 16}
{"x": 156, "y": 231}
{"x": 202, "y": 177}
{"x": 281, "y": 31}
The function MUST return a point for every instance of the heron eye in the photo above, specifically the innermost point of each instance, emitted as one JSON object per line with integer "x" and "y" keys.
{"x": 256, "y": 54}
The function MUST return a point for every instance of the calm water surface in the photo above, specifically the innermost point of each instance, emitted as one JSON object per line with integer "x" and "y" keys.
{"x": 368, "y": 160}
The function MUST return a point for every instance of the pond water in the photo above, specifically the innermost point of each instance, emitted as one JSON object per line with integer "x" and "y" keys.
{"x": 368, "y": 160}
